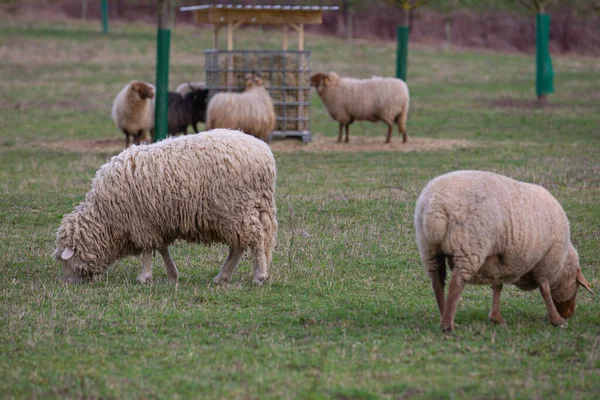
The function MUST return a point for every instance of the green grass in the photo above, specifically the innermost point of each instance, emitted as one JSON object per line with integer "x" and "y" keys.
{"x": 348, "y": 312}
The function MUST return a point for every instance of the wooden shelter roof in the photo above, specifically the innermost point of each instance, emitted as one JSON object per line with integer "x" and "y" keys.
{"x": 258, "y": 14}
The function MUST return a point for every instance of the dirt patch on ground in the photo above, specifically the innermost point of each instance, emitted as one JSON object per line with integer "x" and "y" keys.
{"x": 112, "y": 145}
{"x": 510, "y": 103}
{"x": 319, "y": 144}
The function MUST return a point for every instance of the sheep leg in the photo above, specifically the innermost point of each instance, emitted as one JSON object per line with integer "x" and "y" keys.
{"x": 347, "y": 131}
{"x": 259, "y": 260}
{"x": 340, "y": 135}
{"x": 555, "y": 318}
{"x": 126, "y": 138}
{"x": 194, "y": 125}
{"x": 389, "y": 134}
{"x": 454, "y": 291}
{"x": 402, "y": 126}
{"x": 172, "y": 272}
{"x": 436, "y": 269}
{"x": 146, "y": 274}
{"x": 495, "y": 313}
{"x": 235, "y": 254}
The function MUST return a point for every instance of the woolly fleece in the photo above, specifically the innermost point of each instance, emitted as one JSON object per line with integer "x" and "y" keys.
{"x": 495, "y": 230}
{"x": 251, "y": 111}
{"x": 216, "y": 186}
{"x": 133, "y": 111}
{"x": 375, "y": 99}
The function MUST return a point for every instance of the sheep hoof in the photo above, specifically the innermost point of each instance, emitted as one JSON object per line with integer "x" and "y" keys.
{"x": 561, "y": 323}
{"x": 497, "y": 319}
{"x": 174, "y": 277}
{"x": 260, "y": 279}
{"x": 447, "y": 328}
{"x": 144, "y": 278}
{"x": 219, "y": 279}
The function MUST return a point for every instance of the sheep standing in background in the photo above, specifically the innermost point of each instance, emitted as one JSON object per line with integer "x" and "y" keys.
{"x": 215, "y": 187}
{"x": 133, "y": 111}
{"x": 494, "y": 230}
{"x": 251, "y": 111}
{"x": 187, "y": 87}
{"x": 376, "y": 99}
{"x": 186, "y": 110}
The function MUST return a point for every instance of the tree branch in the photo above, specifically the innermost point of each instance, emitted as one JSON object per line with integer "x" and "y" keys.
{"x": 419, "y": 3}
{"x": 528, "y": 6}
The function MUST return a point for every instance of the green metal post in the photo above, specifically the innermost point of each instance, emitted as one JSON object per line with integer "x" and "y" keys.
{"x": 163, "y": 40}
{"x": 402, "y": 52}
{"x": 104, "y": 16}
{"x": 544, "y": 82}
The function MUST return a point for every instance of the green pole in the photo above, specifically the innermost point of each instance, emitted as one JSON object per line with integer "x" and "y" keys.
{"x": 401, "y": 52}
{"x": 544, "y": 74}
{"x": 104, "y": 16}
{"x": 163, "y": 40}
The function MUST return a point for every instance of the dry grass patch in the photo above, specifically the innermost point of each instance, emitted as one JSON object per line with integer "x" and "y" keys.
{"x": 319, "y": 144}
{"x": 322, "y": 144}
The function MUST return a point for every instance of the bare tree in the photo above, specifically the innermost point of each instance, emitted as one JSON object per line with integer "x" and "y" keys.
{"x": 407, "y": 6}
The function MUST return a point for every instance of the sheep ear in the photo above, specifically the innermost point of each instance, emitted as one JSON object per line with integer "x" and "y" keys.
{"x": 67, "y": 253}
{"x": 326, "y": 81}
{"x": 584, "y": 282}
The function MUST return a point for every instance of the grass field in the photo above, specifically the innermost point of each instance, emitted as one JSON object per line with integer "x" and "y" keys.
{"x": 348, "y": 312}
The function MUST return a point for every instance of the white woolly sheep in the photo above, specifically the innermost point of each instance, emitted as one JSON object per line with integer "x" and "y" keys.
{"x": 187, "y": 87}
{"x": 217, "y": 186}
{"x": 494, "y": 230}
{"x": 133, "y": 111}
{"x": 376, "y": 99}
{"x": 251, "y": 111}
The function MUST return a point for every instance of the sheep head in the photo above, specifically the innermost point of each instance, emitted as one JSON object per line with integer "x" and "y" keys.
{"x": 575, "y": 278}
{"x": 321, "y": 80}
{"x": 77, "y": 265}
{"x": 144, "y": 90}
{"x": 253, "y": 81}
{"x": 72, "y": 266}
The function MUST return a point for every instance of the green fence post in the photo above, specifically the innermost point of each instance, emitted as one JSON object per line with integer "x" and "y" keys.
{"x": 401, "y": 52}
{"x": 163, "y": 40}
{"x": 544, "y": 74}
{"x": 104, "y": 16}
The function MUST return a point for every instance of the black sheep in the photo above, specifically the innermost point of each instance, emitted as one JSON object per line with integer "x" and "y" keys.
{"x": 185, "y": 111}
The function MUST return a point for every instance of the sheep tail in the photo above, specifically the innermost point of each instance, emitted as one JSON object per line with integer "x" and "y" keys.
{"x": 431, "y": 221}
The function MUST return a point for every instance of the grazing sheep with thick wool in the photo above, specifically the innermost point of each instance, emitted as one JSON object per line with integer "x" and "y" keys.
{"x": 186, "y": 110}
{"x": 218, "y": 186}
{"x": 187, "y": 87}
{"x": 251, "y": 111}
{"x": 494, "y": 230}
{"x": 133, "y": 111}
{"x": 376, "y": 99}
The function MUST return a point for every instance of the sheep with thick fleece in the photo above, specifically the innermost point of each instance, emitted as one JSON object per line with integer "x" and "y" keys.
{"x": 251, "y": 111}
{"x": 376, "y": 99}
{"x": 494, "y": 230}
{"x": 186, "y": 110}
{"x": 133, "y": 111}
{"x": 217, "y": 186}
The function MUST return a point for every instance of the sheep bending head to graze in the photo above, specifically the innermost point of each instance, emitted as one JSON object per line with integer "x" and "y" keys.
{"x": 133, "y": 111}
{"x": 493, "y": 230}
{"x": 376, "y": 99}
{"x": 218, "y": 186}
{"x": 251, "y": 111}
